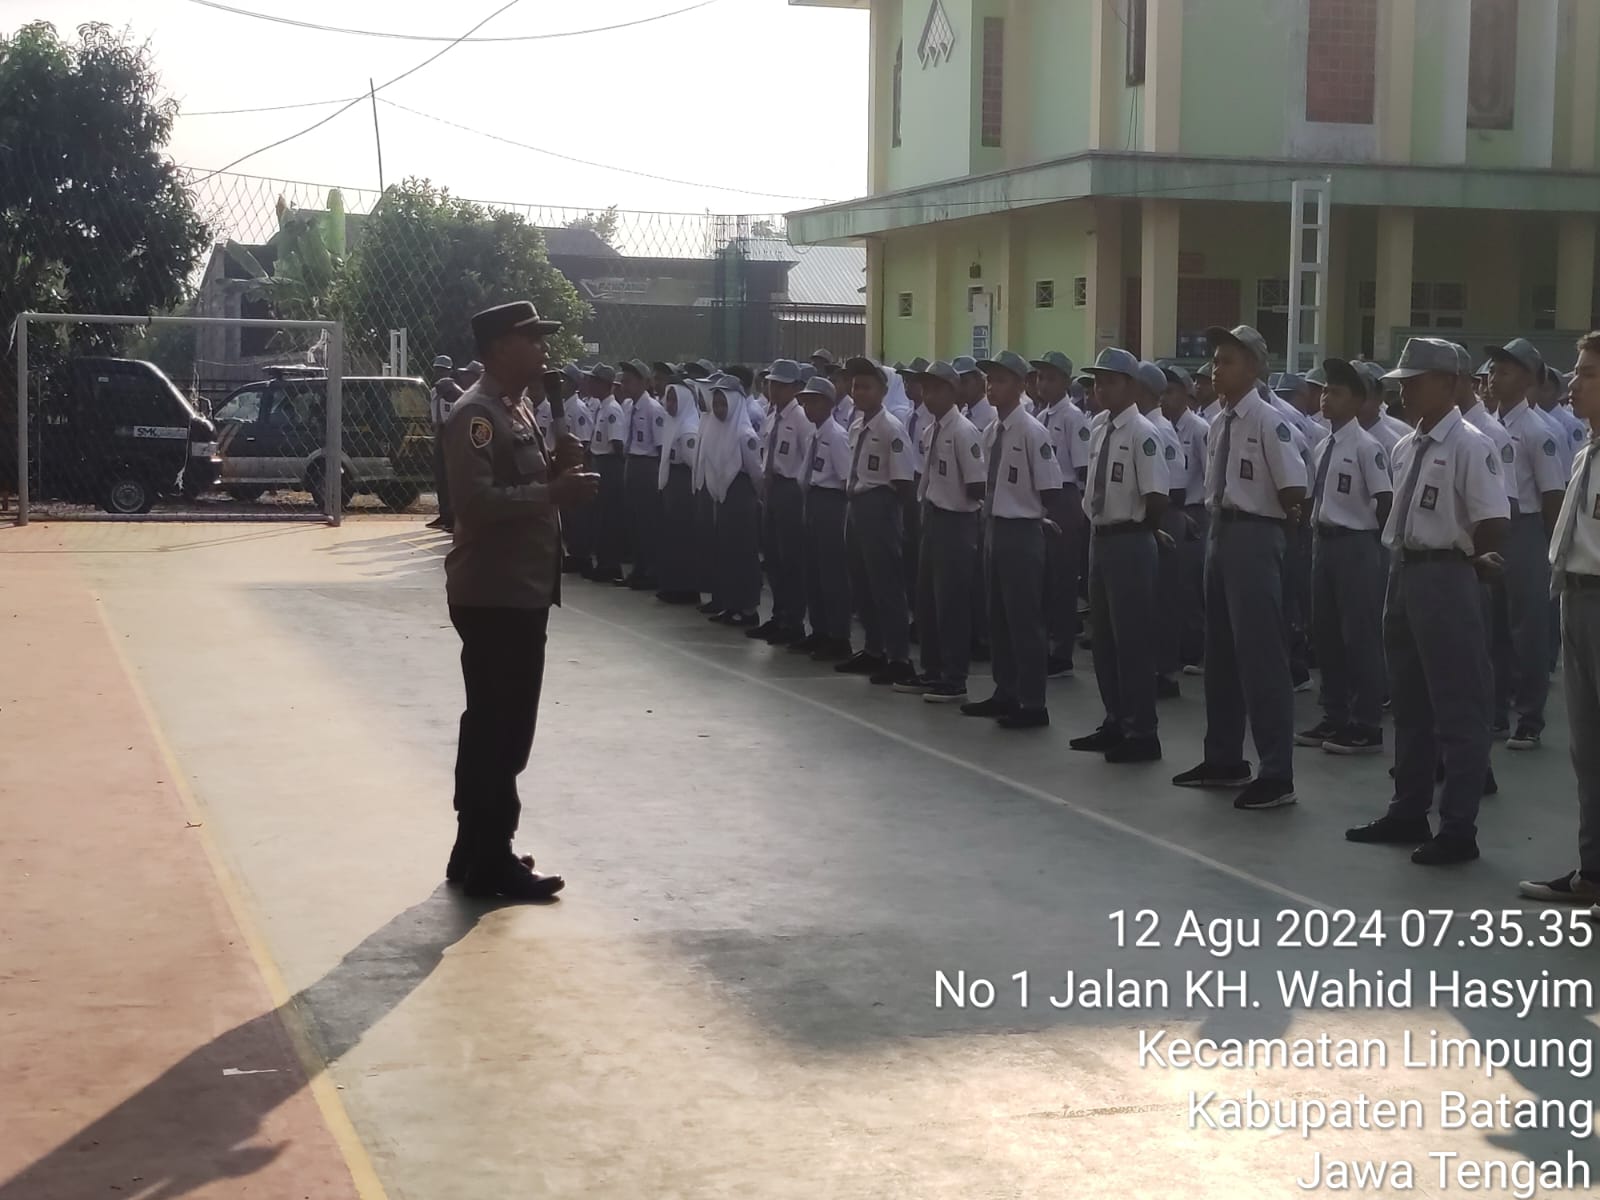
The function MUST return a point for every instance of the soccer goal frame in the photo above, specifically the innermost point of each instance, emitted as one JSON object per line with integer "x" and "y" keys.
{"x": 333, "y": 446}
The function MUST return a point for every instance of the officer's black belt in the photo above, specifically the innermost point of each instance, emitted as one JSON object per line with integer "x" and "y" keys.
{"x": 1325, "y": 530}
{"x": 1120, "y": 528}
{"x": 1229, "y": 515}
{"x": 1580, "y": 583}
{"x": 1431, "y": 556}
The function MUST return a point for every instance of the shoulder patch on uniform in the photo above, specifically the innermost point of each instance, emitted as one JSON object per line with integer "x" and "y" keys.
{"x": 1044, "y": 450}
{"x": 481, "y": 431}
{"x": 1494, "y": 467}
{"x": 1577, "y": 435}
{"x": 1083, "y": 433}
{"x": 977, "y": 450}
{"x": 897, "y": 445}
{"x": 754, "y": 443}
{"x": 611, "y": 418}
{"x": 1550, "y": 447}
{"x": 1283, "y": 433}
{"x": 660, "y": 421}
{"x": 1149, "y": 447}
{"x": 1383, "y": 463}
{"x": 689, "y": 442}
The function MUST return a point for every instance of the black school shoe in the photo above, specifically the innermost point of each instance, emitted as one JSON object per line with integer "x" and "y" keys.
{"x": 1026, "y": 718}
{"x": 1390, "y": 830}
{"x": 805, "y": 644}
{"x": 1355, "y": 739}
{"x": 709, "y": 607}
{"x": 1100, "y": 741}
{"x": 861, "y": 663}
{"x": 1135, "y": 750}
{"x": 831, "y": 650}
{"x": 992, "y": 707}
{"x": 762, "y": 631}
{"x": 892, "y": 674}
{"x": 1445, "y": 851}
{"x": 1317, "y": 734}
{"x": 945, "y": 693}
{"x": 743, "y": 620}
{"x": 1215, "y": 775}
{"x": 917, "y": 685}
{"x": 512, "y": 881}
{"x": 456, "y": 869}
{"x": 1264, "y": 794}
{"x": 785, "y": 637}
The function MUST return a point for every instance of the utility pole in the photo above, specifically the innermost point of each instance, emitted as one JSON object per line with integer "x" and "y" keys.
{"x": 377, "y": 134}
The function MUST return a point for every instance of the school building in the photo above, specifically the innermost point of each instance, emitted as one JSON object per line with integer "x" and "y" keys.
{"x": 1075, "y": 174}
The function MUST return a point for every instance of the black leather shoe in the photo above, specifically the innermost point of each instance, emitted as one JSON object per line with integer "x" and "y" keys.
{"x": 512, "y": 883}
{"x": 1026, "y": 718}
{"x": 762, "y": 631}
{"x": 992, "y": 707}
{"x": 1443, "y": 851}
{"x": 831, "y": 650}
{"x": 785, "y": 637}
{"x": 806, "y": 645}
{"x": 456, "y": 869}
{"x": 1099, "y": 741}
{"x": 893, "y": 673}
{"x": 1391, "y": 831}
{"x": 861, "y": 664}
{"x": 709, "y": 607}
{"x": 1135, "y": 750}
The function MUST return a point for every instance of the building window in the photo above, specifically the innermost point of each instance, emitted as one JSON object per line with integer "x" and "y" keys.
{"x": 1135, "y": 23}
{"x": 1341, "y": 61}
{"x": 903, "y": 304}
{"x": 1272, "y": 310}
{"x": 972, "y": 296}
{"x": 894, "y": 104}
{"x": 938, "y": 37}
{"x": 1080, "y": 292}
{"x": 993, "y": 84}
{"x": 1438, "y": 306}
{"x": 1044, "y": 293}
{"x": 1492, "y": 65}
{"x": 1203, "y": 303}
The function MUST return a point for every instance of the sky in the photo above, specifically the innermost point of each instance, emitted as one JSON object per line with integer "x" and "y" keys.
{"x": 736, "y": 94}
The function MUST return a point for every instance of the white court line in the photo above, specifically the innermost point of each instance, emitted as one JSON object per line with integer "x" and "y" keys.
{"x": 1027, "y": 789}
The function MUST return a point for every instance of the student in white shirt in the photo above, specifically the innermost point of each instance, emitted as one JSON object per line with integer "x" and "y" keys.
{"x": 787, "y": 449}
{"x": 880, "y": 471}
{"x": 827, "y": 572}
{"x": 1349, "y": 503}
{"x": 732, "y": 450}
{"x": 1151, "y": 385}
{"x": 1023, "y": 477}
{"x": 1448, "y": 517}
{"x": 1575, "y": 576}
{"x": 608, "y": 450}
{"x": 974, "y": 392}
{"x": 645, "y": 421}
{"x": 916, "y": 422}
{"x": 1068, "y": 426}
{"x": 1177, "y": 405}
{"x": 1126, "y": 495}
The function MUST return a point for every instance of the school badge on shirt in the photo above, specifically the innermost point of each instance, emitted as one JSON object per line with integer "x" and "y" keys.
{"x": 481, "y": 431}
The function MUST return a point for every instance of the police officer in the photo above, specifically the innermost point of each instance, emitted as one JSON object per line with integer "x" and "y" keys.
{"x": 1523, "y": 639}
{"x": 1127, "y": 495}
{"x": 1023, "y": 479}
{"x": 1350, "y": 499}
{"x": 787, "y": 450}
{"x": 1069, "y": 434}
{"x": 446, "y": 391}
{"x": 501, "y": 577}
{"x": 1254, "y": 479}
{"x": 1449, "y": 515}
{"x": 950, "y": 492}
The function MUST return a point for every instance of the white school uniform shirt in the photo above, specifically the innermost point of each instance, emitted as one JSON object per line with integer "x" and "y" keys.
{"x": 788, "y": 442}
{"x": 1069, "y": 433}
{"x": 1580, "y": 509}
{"x": 1028, "y": 466}
{"x": 610, "y": 425}
{"x": 1458, "y": 485}
{"x": 1193, "y": 434}
{"x": 1171, "y": 445}
{"x": 646, "y": 423}
{"x": 880, "y": 455}
{"x": 844, "y": 412}
{"x": 544, "y": 418}
{"x": 1538, "y": 461}
{"x": 1028, "y": 406}
{"x": 1486, "y": 423}
{"x": 1388, "y": 430}
{"x": 1263, "y": 459}
{"x": 953, "y": 457}
{"x": 916, "y": 435}
{"x": 1358, "y": 473}
{"x": 830, "y": 457}
{"x": 1211, "y": 412}
{"x": 982, "y": 414}
{"x": 580, "y": 417}
{"x": 1570, "y": 434}
{"x": 1136, "y": 466}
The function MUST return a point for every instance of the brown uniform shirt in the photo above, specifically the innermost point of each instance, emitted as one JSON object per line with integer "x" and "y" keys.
{"x": 507, "y": 551}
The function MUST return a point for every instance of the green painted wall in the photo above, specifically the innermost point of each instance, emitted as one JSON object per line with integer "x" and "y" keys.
{"x": 1563, "y": 86}
{"x": 938, "y": 116}
{"x": 905, "y": 269}
{"x": 1427, "y": 97}
{"x": 1235, "y": 78}
{"x": 984, "y": 158}
{"x": 1059, "y": 78}
{"x": 1053, "y": 242}
{"x": 968, "y": 244}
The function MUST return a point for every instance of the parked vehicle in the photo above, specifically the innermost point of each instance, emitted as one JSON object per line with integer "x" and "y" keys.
{"x": 118, "y": 433}
{"x": 273, "y": 435}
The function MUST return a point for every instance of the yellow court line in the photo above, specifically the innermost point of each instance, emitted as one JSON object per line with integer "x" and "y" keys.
{"x": 323, "y": 1090}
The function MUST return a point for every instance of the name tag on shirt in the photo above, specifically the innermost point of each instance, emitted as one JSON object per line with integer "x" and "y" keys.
{"x": 872, "y": 462}
{"x": 1011, "y": 475}
{"x": 1116, "y": 472}
{"x": 816, "y": 464}
{"x": 1344, "y": 485}
{"x": 783, "y": 448}
{"x": 1247, "y": 469}
{"x": 943, "y": 465}
{"x": 1430, "y": 497}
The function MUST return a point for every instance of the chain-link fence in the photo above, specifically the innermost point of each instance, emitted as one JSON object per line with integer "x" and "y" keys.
{"x": 402, "y": 271}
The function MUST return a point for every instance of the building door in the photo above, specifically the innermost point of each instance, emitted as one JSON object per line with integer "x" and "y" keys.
{"x": 980, "y": 304}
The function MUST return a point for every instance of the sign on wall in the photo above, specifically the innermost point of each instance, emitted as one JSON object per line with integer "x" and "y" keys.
{"x": 938, "y": 37}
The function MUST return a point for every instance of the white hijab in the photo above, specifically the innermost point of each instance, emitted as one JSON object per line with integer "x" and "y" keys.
{"x": 679, "y": 434}
{"x": 896, "y": 400}
{"x": 721, "y": 446}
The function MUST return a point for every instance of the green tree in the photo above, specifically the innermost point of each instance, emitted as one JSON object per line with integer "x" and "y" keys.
{"x": 603, "y": 224}
{"x": 427, "y": 261}
{"x": 93, "y": 216}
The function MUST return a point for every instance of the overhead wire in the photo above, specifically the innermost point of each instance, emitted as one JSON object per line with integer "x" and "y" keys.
{"x": 427, "y": 37}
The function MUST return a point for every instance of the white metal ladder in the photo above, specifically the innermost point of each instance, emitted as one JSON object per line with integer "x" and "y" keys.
{"x": 1309, "y": 202}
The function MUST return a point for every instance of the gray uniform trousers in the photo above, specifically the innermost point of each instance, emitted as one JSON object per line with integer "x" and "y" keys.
{"x": 1439, "y": 680}
{"x": 785, "y": 528}
{"x": 1522, "y": 629}
{"x": 1123, "y": 571}
{"x": 980, "y": 591}
{"x": 611, "y": 535}
{"x": 1347, "y": 624}
{"x": 1192, "y": 578}
{"x": 643, "y": 510}
{"x": 1063, "y": 559}
{"x": 738, "y": 551}
{"x": 677, "y": 568}
{"x": 1580, "y": 642}
{"x": 1297, "y": 595}
{"x": 1166, "y": 627}
{"x": 873, "y": 542}
{"x": 946, "y": 561}
{"x": 1247, "y": 655}
{"x": 827, "y": 572}
{"x": 1014, "y": 567}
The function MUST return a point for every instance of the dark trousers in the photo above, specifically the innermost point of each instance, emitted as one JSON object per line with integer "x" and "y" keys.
{"x": 1439, "y": 679}
{"x": 502, "y": 665}
{"x": 1123, "y": 570}
{"x": 1522, "y": 620}
{"x": 1580, "y": 643}
{"x": 945, "y": 563}
{"x": 1063, "y": 557}
{"x": 738, "y": 548}
{"x": 643, "y": 489}
{"x": 676, "y": 568}
{"x": 1347, "y": 626}
{"x": 873, "y": 543}
{"x": 1015, "y": 571}
{"x": 784, "y": 523}
{"x": 441, "y": 481}
{"x": 1297, "y": 597}
{"x": 612, "y": 533}
{"x": 827, "y": 572}
{"x": 911, "y": 547}
{"x": 1170, "y": 596}
{"x": 705, "y": 540}
{"x": 1247, "y": 653}
{"x": 1191, "y": 563}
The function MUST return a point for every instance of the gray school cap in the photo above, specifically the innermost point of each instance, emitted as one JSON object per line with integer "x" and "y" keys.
{"x": 1317, "y": 376}
{"x": 1520, "y": 351}
{"x": 443, "y": 362}
{"x": 1243, "y": 336}
{"x": 917, "y": 366}
{"x": 1056, "y": 359}
{"x": 1006, "y": 360}
{"x": 1203, "y": 371}
{"x": 785, "y": 370}
{"x": 824, "y": 356}
{"x": 1463, "y": 359}
{"x": 573, "y": 373}
{"x": 1115, "y": 361}
{"x": 938, "y": 370}
{"x": 602, "y": 372}
{"x": 819, "y": 385}
{"x": 807, "y": 372}
{"x": 1422, "y": 355}
{"x": 1340, "y": 372}
{"x": 1151, "y": 377}
{"x": 726, "y": 383}
{"x": 1289, "y": 384}
{"x": 965, "y": 364}
{"x": 1177, "y": 375}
